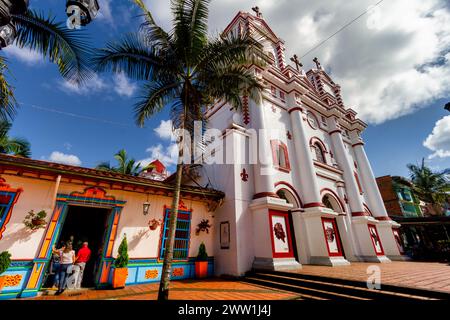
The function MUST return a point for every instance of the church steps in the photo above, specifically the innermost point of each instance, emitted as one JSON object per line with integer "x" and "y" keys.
{"x": 340, "y": 288}
{"x": 305, "y": 292}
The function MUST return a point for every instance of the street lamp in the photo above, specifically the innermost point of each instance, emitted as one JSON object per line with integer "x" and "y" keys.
{"x": 447, "y": 106}
{"x": 7, "y": 34}
{"x": 146, "y": 206}
{"x": 88, "y": 9}
{"x": 7, "y": 27}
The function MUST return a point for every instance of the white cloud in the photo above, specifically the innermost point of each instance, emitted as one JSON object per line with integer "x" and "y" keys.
{"x": 389, "y": 63}
{"x": 122, "y": 85}
{"x": 167, "y": 155}
{"x": 63, "y": 158}
{"x": 439, "y": 140}
{"x": 95, "y": 84}
{"x": 164, "y": 131}
{"x": 105, "y": 13}
{"x": 25, "y": 55}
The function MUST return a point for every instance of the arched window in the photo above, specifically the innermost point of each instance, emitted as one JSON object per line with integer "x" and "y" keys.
{"x": 320, "y": 156}
{"x": 280, "y": 156}
{"x": 331, "y": 201}
{"x": 327, "y": 203}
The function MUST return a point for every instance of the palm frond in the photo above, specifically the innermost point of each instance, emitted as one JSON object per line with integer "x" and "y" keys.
{"x": 18, "y": 147}
{"x": 67, "y": 48}
{"x": 191, "y": 27}
{"x": 155, "y": 96}
{"x": 105, "y": 166}
{"x": 8, "y": 103}
{"x": 153, "y": 33}
{"x": 130, "y": 55}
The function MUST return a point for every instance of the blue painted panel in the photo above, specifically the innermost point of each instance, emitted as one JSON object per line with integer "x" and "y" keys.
{"x": 22, "y": 283}
{"x": 132, "y": 272}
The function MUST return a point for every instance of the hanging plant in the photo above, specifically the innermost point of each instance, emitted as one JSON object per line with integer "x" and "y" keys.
{"x": 203, "y": 226}
{"x": 154, "y": 224}
{"x": 35, "y": 221}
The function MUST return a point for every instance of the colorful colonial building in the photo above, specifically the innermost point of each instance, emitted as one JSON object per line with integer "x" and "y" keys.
{"x": 305, "y": 195}
{"x": 101, "y": 208}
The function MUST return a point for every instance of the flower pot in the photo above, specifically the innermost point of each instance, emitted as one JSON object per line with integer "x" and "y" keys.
{"x": 2, "y": 282}
{"x": 201, "y": 269}
{"x": 119, "y": 277}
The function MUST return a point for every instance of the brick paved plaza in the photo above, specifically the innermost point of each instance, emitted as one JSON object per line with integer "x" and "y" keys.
{"x": 431, "y": 276}
{"x": 424, "y": 275}
{"x": 211, "y": 289}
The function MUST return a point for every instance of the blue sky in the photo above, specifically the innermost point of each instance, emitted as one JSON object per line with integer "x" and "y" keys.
{"x": 104, "y": 119}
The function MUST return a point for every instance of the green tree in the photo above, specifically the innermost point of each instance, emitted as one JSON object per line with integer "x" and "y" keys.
{"x": 13, "y": 146}
{"x": 431, "y": 187}
{"x": 125, "y": 165}
{"x": 185, "y": 71}
{"x": 122, "y": 256}
{"x": 66, "y": 48}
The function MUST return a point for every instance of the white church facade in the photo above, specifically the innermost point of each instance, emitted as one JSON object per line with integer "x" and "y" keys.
{"x": 311, "y": 198}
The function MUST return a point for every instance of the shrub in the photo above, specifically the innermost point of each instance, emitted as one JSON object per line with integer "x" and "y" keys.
{"x": 5, "y": 261}
{"x": 122, "y": 258}
{"x": 202, "y": 255}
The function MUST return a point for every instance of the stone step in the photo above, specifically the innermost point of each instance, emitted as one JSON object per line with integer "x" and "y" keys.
{"x": 334, "y": 288}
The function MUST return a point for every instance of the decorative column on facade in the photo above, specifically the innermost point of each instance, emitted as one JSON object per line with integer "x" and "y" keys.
{"x": 368, "y": 179}
{"x": 385, "y": 224}
{"x": 266, "y": 203}
{"x": 263, "y": 168}
{"x": 308, "y": 178}
{"x": 354, "y": 196}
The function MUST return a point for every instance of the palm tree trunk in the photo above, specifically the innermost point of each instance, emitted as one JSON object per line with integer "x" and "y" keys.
{"x": 163, "y": 293}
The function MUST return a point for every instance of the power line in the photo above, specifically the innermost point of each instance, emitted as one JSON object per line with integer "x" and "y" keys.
{"x": 74, "y": 115}
{"x": 342, "y": 28}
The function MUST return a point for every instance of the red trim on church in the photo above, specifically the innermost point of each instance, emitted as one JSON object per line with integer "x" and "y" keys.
{"x": 290, "y": 253}
{"x": 337, "y": 235}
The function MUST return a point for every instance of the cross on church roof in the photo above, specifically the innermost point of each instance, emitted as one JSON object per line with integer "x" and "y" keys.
{"x": 257, "y": 11}
{"x": 297, "y": 62}
{"x": 316, "y": 61}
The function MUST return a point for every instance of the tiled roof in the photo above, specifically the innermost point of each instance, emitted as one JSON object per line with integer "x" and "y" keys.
{"x": 23, "y": 164}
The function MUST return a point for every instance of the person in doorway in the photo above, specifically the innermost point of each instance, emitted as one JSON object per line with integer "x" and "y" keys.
{"x": 67, "y": 260}
{"x": 83, "y": 256}
{"x": 56, "y": 264}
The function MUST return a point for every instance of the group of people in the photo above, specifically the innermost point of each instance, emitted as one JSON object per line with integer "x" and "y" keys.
{"x": 66, "y": 263}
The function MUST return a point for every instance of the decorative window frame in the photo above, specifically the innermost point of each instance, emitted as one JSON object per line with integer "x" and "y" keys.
{"x": 182, "y": 210}
{"x": 5, "y": 189}
{"x": 314, "y": 143}
{"x": 276, "y": 145}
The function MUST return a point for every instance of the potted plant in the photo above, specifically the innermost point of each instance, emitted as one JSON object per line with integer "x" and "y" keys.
{"x": 34, "y": 221}
{"x": 120, "y": 272}
{"x": 201, "y": 264}
{"x": 5, "y": 262}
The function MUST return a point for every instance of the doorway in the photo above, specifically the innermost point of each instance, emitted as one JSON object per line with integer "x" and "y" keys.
{"x": 86, "y": 224}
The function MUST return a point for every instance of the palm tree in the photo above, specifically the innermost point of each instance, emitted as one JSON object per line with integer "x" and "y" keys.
{"x": 14, "y": 146}
{"x": 431, "y": 187}
{"x": 66, "y": 48}
{"x": 126, "y": 165}
{"x": 185, "y": 71}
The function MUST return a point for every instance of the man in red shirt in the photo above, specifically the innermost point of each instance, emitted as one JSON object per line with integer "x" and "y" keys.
{"x": 83, "y": 256}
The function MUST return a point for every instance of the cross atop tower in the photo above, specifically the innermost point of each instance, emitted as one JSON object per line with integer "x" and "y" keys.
{"x": 297, "y": 62}
{"x": 316, "y": 61}
{"x": 257, "y": 11}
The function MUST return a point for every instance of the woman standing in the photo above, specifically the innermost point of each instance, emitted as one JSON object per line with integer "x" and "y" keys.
{"x": 67, "y": 260}
{"x": 56, "y": 263}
